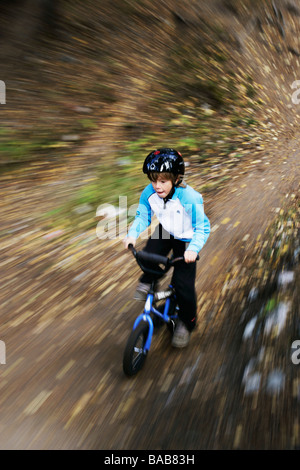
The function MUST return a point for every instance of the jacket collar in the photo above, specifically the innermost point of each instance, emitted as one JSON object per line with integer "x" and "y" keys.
{"x": 170, "y": 195}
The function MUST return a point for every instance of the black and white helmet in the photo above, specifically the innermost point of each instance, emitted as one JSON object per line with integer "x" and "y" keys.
{"x": 164, "y": 161}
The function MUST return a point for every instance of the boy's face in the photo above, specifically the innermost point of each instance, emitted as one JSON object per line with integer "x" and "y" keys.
{"x": 162, "y": 186}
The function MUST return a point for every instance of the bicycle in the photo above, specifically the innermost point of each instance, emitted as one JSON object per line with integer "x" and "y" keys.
{"x": 139, "y": 341}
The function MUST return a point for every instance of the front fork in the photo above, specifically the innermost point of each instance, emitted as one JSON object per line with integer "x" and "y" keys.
{"x": 147, "y": 318}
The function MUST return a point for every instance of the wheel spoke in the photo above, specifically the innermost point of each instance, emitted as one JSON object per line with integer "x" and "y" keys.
{"x": 138, "y": 352}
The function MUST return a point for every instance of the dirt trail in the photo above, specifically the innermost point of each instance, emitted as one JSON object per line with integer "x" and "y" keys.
{"x": 67, "y": 310}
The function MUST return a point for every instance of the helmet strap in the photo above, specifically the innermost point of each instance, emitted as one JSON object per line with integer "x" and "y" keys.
{"x": 170, "y": 195}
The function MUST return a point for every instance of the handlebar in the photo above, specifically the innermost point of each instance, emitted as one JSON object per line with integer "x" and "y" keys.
{"x": 155, "y": 259}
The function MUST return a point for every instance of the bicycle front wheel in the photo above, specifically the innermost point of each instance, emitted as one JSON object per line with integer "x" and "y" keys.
{"x": 134, "y": 353}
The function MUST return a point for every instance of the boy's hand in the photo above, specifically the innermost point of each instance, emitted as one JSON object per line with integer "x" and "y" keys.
{"x": 129, "y": 240}
{"x": 190, "y": 256}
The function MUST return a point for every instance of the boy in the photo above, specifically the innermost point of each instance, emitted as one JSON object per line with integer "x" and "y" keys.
{"x": 183, "y": 227}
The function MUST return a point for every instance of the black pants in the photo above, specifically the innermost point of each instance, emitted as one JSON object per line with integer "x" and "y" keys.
{"x": 184, "y": 274}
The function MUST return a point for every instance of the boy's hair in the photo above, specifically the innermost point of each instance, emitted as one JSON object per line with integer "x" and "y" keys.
{"x": 154, "y": 175}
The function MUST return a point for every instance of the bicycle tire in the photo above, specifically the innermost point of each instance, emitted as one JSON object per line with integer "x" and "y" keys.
{"x": 134, "y": 355}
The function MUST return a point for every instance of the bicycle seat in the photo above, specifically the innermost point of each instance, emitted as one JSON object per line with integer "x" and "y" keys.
{"x": 151, "y": 263}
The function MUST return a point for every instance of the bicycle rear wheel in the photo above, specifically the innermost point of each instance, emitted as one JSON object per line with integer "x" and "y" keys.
{"x": 134, "y": 353}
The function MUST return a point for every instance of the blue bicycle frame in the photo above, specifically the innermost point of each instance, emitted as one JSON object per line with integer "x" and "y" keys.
{"x": 148, "y": 308}
{"x": 139, "y": 341}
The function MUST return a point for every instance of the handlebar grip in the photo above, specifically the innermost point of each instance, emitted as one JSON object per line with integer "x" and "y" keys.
{"x": 180, "y": 258}
{"x": 153, "y": 258}
{"x": 132, "y": 249}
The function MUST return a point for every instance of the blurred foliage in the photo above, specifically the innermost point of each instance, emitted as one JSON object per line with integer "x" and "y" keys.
{"x": 113, "y": 80}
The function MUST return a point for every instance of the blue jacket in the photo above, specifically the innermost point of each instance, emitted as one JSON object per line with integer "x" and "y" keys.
{"x": 182, "y": 216}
